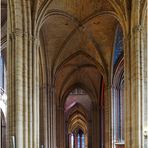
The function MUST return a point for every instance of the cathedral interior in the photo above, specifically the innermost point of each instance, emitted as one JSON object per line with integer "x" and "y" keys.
{"x": 73, "y": 74}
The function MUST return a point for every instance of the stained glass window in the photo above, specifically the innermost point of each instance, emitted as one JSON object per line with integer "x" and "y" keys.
{"x": 1, "y": 72}
{"x": 79, "y": 140}
{"x": 72, "y": 141}
{"x": 83, "y": 141}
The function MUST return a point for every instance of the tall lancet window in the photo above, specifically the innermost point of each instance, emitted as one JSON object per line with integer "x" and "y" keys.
{"x": 77, "y": 139}
{"x": 72, "y": 140}
{"x": 83, "y": 141}
{"x": 1, "y": 72}
{"x": 118, "y": 91}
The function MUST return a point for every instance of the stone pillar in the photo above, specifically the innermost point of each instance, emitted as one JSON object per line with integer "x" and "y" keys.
{"x": 133, "y": 82}
{"x": 69, "y": 141}
{"x": 107, "y": 117}
{"x": 67, "y": 135}
{"x": 23, "y": 91}
{"x": 52, "y": 136}
{"x": 134, "y": 113}
{"x": 89, "y": 133}
{"x": 127, "y": 91}
{"x": 15, "y": 87}
{"x": 95, "y": 126}
{"x": 23, "y": 77}
{"x": 74, "y": 140}
{"x": 144, "y": 61}
{"x": 86, "y": 140}
{"x": 136, "y": 95}
{"x": 43, "y": 116}
{"x": 35, "y": 94}
{"x": 60, "y": 127}
{"x": 114, "y": 112}
{"x": 102, "y": 127}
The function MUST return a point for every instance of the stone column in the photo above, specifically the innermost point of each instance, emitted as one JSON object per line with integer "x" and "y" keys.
{"x": 23, "y": 91}
{"x": 107, "y": 117}
{"x": 144, "y": 54}
{"x": 95, "y": 126}
{"x": 35, "y": 94}
{"x": 69, "y": 141}
{"x": 127, "y": 91}
{"x": 43, "y": 116}
{"x": 60, "y": 127}
{"x": 86, "y": 140}
{"x": 52, "y": 136}
{"x": 15, "y": 87}
{"x": 89, "y": 133}
{"x": 136, "y": 95}
{"x": 114, "y": 115}
{"x": 67, "y": 135}
{"x": 23, "y": 77}
{"x": 133, "y": 83}
{"x": 101, "y": 127}
{"x": 74, "y": 141}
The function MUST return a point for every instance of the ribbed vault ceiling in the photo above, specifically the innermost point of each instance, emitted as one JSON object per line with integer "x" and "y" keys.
{"x": 77, "y": 44}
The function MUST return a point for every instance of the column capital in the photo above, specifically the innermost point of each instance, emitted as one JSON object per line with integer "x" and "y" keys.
{"x": 20, "y": 33}
{"x": 138, "y": 29}
{"x": 115, "y": 87}
{"x": 139, "y": 2}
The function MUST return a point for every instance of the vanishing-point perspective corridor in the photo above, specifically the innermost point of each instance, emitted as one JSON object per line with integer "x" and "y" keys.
{"x": 73, "y": 74}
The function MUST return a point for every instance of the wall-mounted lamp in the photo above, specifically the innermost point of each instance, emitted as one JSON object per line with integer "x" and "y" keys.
{"x": 145, "y": 134}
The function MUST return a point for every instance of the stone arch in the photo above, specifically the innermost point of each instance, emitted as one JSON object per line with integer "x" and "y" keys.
{"x": 76, "y": 107}
{"x": 118, "y": 104}
{"x": 80, "y": 52}
{"x": 73, "y": 86}
{"x": 44, "y": 13}
{"x": 72, "y": 125}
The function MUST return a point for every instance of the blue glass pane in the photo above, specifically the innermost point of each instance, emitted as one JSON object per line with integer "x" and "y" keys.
{"x": 1, "y": 72}
{"x": 83, "y": 141}
{"x": 72, "y": 141}
{"x": 78, "y": 141}
{"x": 118, "y": 45}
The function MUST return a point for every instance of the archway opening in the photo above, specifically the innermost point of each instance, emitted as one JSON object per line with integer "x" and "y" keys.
{"x": 77, "y": 113}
